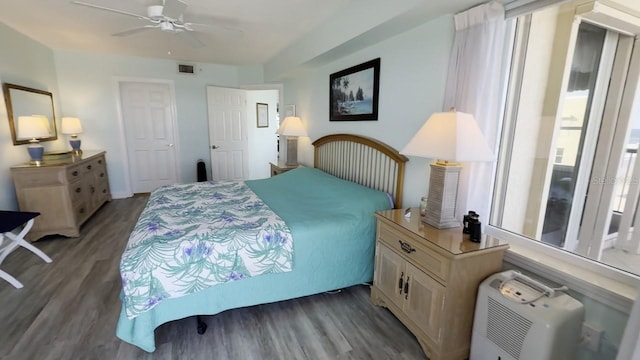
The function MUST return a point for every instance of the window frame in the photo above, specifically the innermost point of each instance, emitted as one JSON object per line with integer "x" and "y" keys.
{"x": 594, "y": 279}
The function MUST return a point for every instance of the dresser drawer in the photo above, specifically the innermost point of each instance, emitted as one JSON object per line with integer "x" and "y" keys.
{"x": 76, "y": 192}
{"x": 89, "y": 166}
{"x": 74, "y": 172}
{"x": 429, "y": 261}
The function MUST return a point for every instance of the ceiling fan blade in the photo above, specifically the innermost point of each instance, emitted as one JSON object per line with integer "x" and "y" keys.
{"x": 173, "y": 9}
{"x": 135, "y": 30}
{"x": 190, "y": 38}
{"x": 214, "y": 29}
{"x": 110, "y": 9}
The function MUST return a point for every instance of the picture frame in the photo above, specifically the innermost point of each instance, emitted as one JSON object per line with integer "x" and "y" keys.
{"x": 353, "y": 92}
{"x": 289, "y": 110}
{"x": 262, "y": 111}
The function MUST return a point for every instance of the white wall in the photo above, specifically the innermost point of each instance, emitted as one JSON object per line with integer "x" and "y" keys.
{"x": 262, "y": 141}
{"x": 28, "y": 63}
{"x": 412, "y": 80}
{"x": 87, "y": 85}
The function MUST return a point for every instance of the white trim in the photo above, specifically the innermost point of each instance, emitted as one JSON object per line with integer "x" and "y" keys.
{"x": 523, "y": 7}
{"x": 117, "y": 80}
{"x": 603, "y": 283}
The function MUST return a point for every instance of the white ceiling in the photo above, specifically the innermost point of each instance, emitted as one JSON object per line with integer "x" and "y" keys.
{"x": 266, "y": 27}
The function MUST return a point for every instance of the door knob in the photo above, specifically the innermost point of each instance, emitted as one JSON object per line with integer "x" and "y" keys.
{"x": 214, "y": 147}
{"x": 170, "y": 145}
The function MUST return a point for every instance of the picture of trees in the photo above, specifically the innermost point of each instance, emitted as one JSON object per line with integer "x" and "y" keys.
{"x": 354, "y": 92}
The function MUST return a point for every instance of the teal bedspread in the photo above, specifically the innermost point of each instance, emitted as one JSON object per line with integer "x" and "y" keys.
{"x": 333, "y": 231}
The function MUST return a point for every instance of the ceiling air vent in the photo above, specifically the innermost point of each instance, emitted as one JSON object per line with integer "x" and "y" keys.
{"x": 187, "y": 69}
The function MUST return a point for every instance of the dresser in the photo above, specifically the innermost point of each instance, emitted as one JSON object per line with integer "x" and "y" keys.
{"x": 429, "y": 278}
{"x": 65, "y": 192}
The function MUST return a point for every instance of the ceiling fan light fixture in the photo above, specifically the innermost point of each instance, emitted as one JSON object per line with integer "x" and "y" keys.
{"x": 167, "y": 26}
{"x": 155, "y": 12}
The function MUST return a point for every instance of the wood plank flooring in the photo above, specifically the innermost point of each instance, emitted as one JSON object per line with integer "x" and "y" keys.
{"x": 69, "y": 309}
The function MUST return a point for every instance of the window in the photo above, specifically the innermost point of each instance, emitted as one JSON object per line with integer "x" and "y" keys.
{"x": 567, "y": 173}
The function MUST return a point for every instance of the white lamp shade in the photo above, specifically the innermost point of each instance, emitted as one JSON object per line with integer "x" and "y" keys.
{"x": 451, "y": 136}
{"x": 32, "y": 127}
{"x": 291, "y": 126}
{"x": 71, "y": 125}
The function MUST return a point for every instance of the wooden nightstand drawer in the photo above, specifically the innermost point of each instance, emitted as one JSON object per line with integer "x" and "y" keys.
{"x": 428, "y": 261}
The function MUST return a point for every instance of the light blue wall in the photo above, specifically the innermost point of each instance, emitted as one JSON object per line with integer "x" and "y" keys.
{"x": 412, "y": 80}
{"x": 88, "y": 85}
{"x": 28, "y": 63}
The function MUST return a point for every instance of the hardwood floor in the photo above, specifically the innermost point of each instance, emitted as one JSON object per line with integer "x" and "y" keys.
{"x": 69, "y": 309}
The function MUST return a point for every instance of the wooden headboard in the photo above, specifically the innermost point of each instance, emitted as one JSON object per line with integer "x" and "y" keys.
{"x": 363, "y": 160}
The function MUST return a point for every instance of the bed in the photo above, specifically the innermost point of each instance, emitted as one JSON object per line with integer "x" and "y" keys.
{"x": 321, "y": 217}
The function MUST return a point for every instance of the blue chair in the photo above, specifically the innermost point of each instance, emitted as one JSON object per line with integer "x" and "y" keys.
{"x": 9, "y": 221}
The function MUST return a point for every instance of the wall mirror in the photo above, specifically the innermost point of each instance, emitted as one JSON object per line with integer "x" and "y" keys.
{"x": 24, "y": 101}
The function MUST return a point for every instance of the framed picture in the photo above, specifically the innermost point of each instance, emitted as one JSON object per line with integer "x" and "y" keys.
{"x": 289, "y": 110}
{"x": 263, "y": 114}
{"x": 353, "y": 92}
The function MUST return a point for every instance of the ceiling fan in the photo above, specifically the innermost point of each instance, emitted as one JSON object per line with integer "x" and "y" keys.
{"x": 168, "y": 18}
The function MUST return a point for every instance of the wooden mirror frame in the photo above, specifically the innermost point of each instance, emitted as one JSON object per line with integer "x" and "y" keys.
{"x": 22, "y": 108}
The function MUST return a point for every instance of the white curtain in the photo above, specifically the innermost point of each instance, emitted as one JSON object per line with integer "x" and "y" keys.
{"x": 630, "y": 346}
{"x": 474, "y": 85}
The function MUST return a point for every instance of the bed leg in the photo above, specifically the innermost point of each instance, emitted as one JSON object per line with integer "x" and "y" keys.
{"x": 202, "y": 326}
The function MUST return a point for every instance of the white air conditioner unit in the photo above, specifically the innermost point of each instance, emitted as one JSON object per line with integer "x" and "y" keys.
{"x": 518, "y": 318}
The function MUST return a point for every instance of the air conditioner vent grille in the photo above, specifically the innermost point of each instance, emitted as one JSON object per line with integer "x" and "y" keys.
{"x": 506, "y": 328}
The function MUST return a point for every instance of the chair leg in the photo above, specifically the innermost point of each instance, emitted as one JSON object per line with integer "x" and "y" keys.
{"x": 10, "y": 279}
{"x": 19, "y": 240}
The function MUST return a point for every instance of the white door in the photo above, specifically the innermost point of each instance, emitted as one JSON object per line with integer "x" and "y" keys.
{"x": 228, "y": 133}
{"x": 149, "y": 127}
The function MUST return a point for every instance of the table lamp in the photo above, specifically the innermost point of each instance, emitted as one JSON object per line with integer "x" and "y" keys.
{"x": 73, "y": 127}
{"x": 33, "y": 128}
{"x": 292, "y": 127}
{"x": 449, "y": 138}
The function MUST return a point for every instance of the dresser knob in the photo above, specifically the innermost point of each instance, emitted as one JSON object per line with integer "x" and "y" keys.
{"x": 78, "y": 189}
{"x": 75, "y": 173}
{"x": 88, "y": 167}
{"x": 101, "y": 174}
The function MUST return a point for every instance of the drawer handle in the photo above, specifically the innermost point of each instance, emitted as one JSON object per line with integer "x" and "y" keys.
{"x": 104, "y": 191}
{"x": 75, "y": 173}
{"x": 99, "y": 161}
{"x": 401, "y": 282}
{"x": 101, "y": 174}
{"x": 406, "y": 247}
{"x": 93, "y": 189}
{"x": 88, "y": 167}
{"x": 78, "y": 190}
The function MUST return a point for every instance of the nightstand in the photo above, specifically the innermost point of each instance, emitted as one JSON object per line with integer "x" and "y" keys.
{"x": 429, "y": 279}
{"x": 280, "y": 167}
